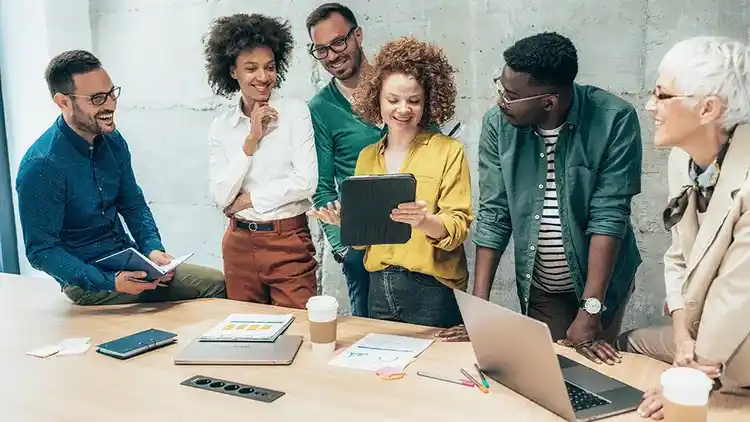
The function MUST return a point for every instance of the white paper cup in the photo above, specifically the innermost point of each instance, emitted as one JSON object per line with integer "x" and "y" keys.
{"x": 322, "y": 314}
{"x": 686, "y": 393}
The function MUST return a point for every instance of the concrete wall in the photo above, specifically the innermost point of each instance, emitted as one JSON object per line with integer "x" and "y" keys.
{"x": 153, "y": 49}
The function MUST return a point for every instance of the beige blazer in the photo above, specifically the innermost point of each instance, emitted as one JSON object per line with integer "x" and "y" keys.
{"x": 708, "y": 264}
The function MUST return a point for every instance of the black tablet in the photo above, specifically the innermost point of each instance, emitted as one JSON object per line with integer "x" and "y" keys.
{"x": 366, "y": 205}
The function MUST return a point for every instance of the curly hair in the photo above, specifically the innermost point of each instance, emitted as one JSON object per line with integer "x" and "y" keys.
{"x": 228, "y": 36}
{"x": 548, "y": 58}
{"x": 426, "y": 63}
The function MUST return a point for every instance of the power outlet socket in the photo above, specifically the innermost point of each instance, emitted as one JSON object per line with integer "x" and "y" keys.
{"x": 232, "y": 388}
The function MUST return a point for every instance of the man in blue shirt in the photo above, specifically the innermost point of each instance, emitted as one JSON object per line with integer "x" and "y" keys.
{"x": 73, "y": 185}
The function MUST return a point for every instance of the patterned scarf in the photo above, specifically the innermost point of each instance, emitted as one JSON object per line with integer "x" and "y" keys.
{"x": 703, "y": 184}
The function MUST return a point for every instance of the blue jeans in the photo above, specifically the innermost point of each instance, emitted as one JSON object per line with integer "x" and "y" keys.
{"x": 357, "y": 281}
{"x": 398, "y": 294}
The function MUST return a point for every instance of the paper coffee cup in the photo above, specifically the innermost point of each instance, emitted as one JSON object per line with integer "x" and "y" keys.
{"x": 322, "y": 314}
{"x": 685, "y": 392}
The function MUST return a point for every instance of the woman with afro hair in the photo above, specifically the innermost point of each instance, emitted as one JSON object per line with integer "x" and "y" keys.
{"x": 410, "y": 89}
{"x": 262, "y": 165}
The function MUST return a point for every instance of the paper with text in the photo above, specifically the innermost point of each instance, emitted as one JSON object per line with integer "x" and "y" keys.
{"x": 376, "y": 351}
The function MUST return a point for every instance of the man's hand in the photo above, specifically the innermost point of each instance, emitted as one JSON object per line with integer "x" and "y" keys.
{"x": 241, "y": 202}
{"x": 329, "y": 215}
{"x": 582, "y": 335}
{"x": 453, "y": 334}
{"x": 132, "y": 283}
{"x": 651, "y": 406}
{"x": 162, "y": 258}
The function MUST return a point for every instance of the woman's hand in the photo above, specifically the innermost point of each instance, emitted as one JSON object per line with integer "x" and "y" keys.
{"x": 685, "y": 356}
{"x": 651, "y": 406}
{"x": 330, "y": 215}
{"x": 260, "y": 116}
{"x": 411, "y": 213}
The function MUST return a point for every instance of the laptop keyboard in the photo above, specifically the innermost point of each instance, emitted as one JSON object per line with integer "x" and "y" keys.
{"x": 582, "y": 399}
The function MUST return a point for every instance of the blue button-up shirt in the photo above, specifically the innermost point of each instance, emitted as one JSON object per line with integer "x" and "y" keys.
{"x": 71, "y": 194}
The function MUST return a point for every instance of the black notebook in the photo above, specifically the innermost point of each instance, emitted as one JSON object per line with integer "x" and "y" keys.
{"x": 366, "y": 205}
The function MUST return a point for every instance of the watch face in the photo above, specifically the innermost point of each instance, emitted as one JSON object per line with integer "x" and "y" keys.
{"x": 592, "y": 306}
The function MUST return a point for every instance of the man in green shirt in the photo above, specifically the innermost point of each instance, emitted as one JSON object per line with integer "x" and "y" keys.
{"x": 339, "y": 134}
{"x": 559, "y": 164}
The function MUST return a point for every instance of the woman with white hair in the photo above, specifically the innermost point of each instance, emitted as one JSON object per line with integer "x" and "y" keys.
{"x": 701, "y": 108}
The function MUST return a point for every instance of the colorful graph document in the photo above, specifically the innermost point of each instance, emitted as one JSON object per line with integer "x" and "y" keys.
{"x": 376, "y": 351}
{"x": 249, "y": 327}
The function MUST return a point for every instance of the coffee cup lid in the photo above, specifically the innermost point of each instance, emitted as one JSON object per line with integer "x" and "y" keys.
{"x": 322, "y": 301}
{"x": 685, "y": 378}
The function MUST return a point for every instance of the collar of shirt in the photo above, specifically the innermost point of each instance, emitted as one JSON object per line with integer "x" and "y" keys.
{"x": 574, "y": 114}
{"x": 239, "y": 116}
{"x": 422, "y": 138}
{"x": 79, "y": 143}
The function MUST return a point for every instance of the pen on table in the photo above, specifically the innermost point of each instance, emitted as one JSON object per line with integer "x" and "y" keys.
{"x": 439, "y": 378}
{"x": 481, "y": 374}
{"x": 472, "y": 379}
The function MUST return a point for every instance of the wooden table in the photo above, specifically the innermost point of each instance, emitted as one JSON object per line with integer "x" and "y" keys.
{"x": 93, "y": 387}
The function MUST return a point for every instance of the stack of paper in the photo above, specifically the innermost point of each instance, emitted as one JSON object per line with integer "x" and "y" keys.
{"x": 376, "y": 351}
{"x": 249, "y": 327}
{"x": 67, "y": 347}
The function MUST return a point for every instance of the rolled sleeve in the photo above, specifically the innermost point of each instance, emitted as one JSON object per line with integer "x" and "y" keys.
{"x": 454, "y": 202}
{"x": 619, "y": 180}
{"x": 493, "y": 227}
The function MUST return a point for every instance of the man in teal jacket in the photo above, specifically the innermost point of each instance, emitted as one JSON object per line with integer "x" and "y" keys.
{"x": 559, "y": 164}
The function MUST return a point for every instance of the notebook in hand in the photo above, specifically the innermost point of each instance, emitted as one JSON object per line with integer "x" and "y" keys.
{"x": 366, "y": 205}
{"x": 132, "y": 260}
{"x": 136, "y": 344}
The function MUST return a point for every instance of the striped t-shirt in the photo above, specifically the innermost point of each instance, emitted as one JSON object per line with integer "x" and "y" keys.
{"x": 551, "y": 272}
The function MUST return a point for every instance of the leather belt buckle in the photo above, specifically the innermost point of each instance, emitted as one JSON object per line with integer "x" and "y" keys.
{"x": 252, "y": 226}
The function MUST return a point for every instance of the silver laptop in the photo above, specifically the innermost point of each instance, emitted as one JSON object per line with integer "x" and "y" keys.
{"x": 280, "y": 352}
{"x": 518, "y": 352}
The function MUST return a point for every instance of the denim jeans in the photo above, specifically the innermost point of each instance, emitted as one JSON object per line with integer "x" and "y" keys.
{"x": 357, "y": 281}
{"x": 398, "y": 294}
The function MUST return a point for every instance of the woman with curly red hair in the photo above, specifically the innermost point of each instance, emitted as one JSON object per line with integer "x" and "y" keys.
{"x": 262, "y": 166}
{"x": 410, "y": 89}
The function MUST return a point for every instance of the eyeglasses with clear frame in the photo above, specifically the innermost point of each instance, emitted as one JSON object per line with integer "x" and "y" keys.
{"x": 507, "y": 102}
{"x": 338, "y": 45}
{"x": 100, "y": 97}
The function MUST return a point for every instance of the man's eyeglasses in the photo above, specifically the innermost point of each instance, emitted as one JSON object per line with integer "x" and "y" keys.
{"x": 507, "y": 102}
{"x": 100, "y": 97}
{"x": 338, "y": 45}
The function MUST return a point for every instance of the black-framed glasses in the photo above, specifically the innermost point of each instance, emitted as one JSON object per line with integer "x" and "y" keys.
{"x": 337, "y": 46}
{"x": 100, "y": 97}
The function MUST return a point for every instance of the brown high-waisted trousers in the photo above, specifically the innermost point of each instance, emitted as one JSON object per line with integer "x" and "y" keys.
{"x": 270, "y": 262}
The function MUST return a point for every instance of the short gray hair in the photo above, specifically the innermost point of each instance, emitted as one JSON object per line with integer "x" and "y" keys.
{"x": 720, "y": 66}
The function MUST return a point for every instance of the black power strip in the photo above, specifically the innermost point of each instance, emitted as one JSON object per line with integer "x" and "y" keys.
{"x": 232, "y": 388}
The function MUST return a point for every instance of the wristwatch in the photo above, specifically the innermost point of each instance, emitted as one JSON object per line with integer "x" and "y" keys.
{"x": 592, "y": 305}
{"x": 339, "y": 256}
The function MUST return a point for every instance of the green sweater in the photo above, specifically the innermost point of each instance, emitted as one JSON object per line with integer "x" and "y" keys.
{"x": 339, "y": 138}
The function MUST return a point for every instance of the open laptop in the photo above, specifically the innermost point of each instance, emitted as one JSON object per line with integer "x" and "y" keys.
{"x": 280, "y": 352}
{"x": 518, "y": 352}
